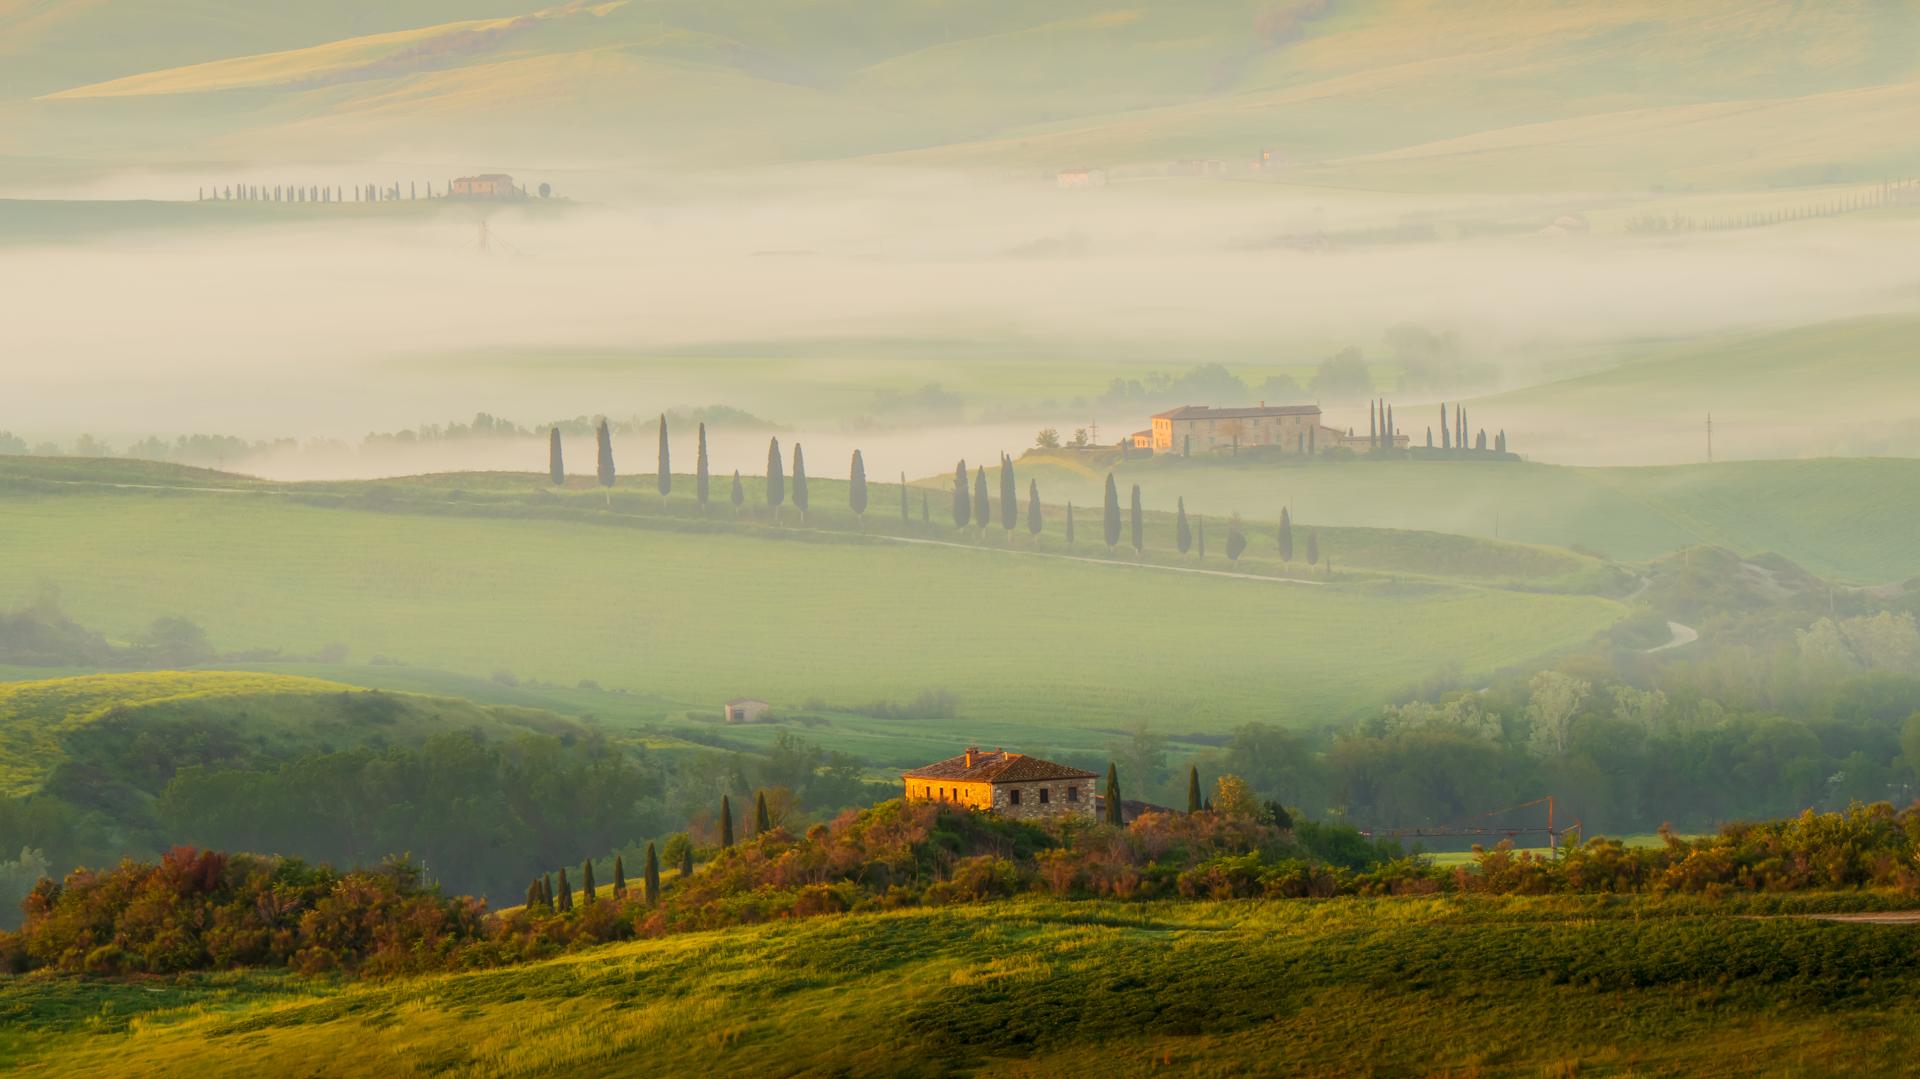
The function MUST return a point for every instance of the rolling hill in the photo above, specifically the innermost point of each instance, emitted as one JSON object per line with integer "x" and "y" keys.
{"x": 1402, "y": 94}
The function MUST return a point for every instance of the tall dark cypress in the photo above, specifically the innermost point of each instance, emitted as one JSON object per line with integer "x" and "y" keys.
{"x": 1138, "y": 524}
{"x": 604, "y": 468}
{"x": 1111, "y": 520}
{"x": 1115, "y": 815}
{"x": 700, "y": 477}
{"x": 546, "y": 891}
{"x": 665, "y": 475}
{"x": 619, "y": 878}
{"x": 1429, "y": 436}
{"x": 1009, "y": 497}
{"x": 1446, "y": 431}
{"x": 1236, "y": 539}
{"x": 556, "y": 468}
{"x": 686, "y": 861}
{"x": 566, "y": 892}
{"x": 1389, "y": 432}
{"x": 1182, "y": 531}
{"x": 982, "y": 510}
{"x": 776, "y": 476}
{"x": 857, "y": 488}
{"x": 962, "y": 503}
{"x": 1033, "y": 507}
{"x": 1286, "y": 535}
{"x": 800, "y": 482}
{"x": 1373, "y": 425}
{"x": 726, "y": 821}
{"x": 587, "y": 887}
{"x": 1313, "y": 548}
{"x": 652, "y": 876}
{"x": 533, "y": 895}
{"x": 762, "y": 820}
{"x": 738, "y": 496}
{"x": 1193, "y": 789}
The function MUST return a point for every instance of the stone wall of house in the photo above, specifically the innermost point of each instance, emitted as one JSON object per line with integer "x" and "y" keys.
{"x": 951, "y": 792}
{"x": 1064, "y": 798}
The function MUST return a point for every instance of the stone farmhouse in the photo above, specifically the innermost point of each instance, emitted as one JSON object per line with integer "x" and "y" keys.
{"x": 1010, "y": 784}
{"x": 1205, "y": 429}
{"x": 746, "y": 710}
{"x": 492, "y": 185}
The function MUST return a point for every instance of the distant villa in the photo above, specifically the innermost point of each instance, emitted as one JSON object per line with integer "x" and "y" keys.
{"x": 1010, "y": 784}
{"x": 1205, "y": 429}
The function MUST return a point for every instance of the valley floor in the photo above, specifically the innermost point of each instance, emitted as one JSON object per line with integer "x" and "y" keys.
{"x": 1413, "y": 986}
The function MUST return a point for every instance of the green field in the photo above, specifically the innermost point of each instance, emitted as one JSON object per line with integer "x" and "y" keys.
{"x": 1851, "y": 519}
{"x": 1029, "y": 644}
{"x": 1598, "y": 986}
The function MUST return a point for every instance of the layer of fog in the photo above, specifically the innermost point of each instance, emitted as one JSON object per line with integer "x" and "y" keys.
{"x": 331, "y": 328}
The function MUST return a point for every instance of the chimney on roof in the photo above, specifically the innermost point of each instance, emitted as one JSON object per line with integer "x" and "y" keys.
{"x": 1263, "y": 404}
{"x": 971, "y": 752}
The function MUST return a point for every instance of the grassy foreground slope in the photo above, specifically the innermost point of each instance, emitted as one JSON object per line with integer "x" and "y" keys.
{"x": 703, "y": 617}
{"x": 1848, "y": 518}
{"x": 1039, "y": 987}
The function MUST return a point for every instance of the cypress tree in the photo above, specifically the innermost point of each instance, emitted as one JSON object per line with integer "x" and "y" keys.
{"x": 686, "y": 861}
{"x": 1069, "y": 526}
{"x": 800, "y": 482}
{"x": 1390, "y": 443}
{"x": 1480, "y": 440}
{"x": 653, "y": 876}
{"x": 1111, "y": 519}
{"x": 1313, "y": 548}
{"x": 1009, "y": 498}
{"x": 739, "y": 493}
{"x": 533, "y": 895}
{"x": 962, "y": 504}
{"x": 1236, "y": 539}
{"x": 1193, "y": 789}
{"x": 1114, "y": 814}
{"x": 903, "y": 498}
{"x": 776, "y": 477}
{"x": 857, "y": 489}
{"x": 700, "y": 478}
{"x": 566, "y": 892}
{"x": 1286, "y": 535}
{"x": 1446, "y": 431}
{"x": 1429, "y": 436}
{"x": 1182, "y": 531}
{"x": 1033, "y": 509}
{"x": 1135, "y": 520}
{"x": 726, "y": 822}
{"x": 667, "y": 467}
{"x": 605, "y": 465}
{"x": 556, "y": 468}
{"x": 546, "y": 891}
{"x": 1373, "y": 425}
{"x": 586, "y": 881}
{"x": 982, "y": 510}
{"x": 762, "y": 820}
{"x": 619, "y": 878}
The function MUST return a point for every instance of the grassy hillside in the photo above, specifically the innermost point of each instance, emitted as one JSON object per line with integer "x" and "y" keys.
{"x": 50, "y": 722}
{"x": 1841, "y": 517}
{"x": 1393, "y": 93}
{"x": 1631, "y": 986}
{"x": 1028, "y": 643}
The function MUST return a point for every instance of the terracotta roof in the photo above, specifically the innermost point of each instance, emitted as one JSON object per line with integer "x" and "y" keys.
{"x": 745, "y": 700}
{"x": 997, "y": 766}
{"x": 1208, "y": 412}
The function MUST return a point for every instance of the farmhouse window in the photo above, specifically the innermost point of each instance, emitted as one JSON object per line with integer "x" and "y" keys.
{"x": 1073, "y": 794}
{"x": 1043, "y": 795}
{"x": 1013, "y": 797}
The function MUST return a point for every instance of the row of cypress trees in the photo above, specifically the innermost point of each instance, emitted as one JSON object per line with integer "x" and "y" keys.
{"x": 543, "y": 891}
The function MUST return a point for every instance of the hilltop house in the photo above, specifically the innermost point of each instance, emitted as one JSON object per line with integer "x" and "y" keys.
{"x": 492, "y": 185}
{"x": 1010, "y": 784}
{"x": 1205, "y": 429}
{"x": 746, "y": 710}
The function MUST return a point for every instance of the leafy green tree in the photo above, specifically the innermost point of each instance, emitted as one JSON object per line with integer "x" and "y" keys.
{"x": 1115, "y": 815}
{"x": 1009, "y": 498}
{"x": 857, "y": 489}
{"x": 1183, "y": 532}
{"x": 1033, "y": 508}
{"x": 982, "y": 511}
{"x": 1313, "y": 548}
{"x": 556, "y": 467}
{"x": 962, "y": 504}
{"x": 738, "y": 496}
{"x": 1236, "y": 539}
{"x": 1135, "y": 519}
{"x": 776, "y": 477}
{"x": 762, "y": 821}
{"x": 665, "y": 472}
{"x": 566, "y": 893}
{"x": 800, "y": 482}
{"x": 700, "y": 476}
{"x": 652, "y": 876}
{"x": 1910, "y": 743}
{"x": 587, "y": 887}
{"x": 1193, "y": 789}
{"x": 726, "y": 821}
{"x": 619, "y": 877}
{"x": 604, "y": 469}
{"x": 1286, "y": 535}
{"x": 1112, "y": 517}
